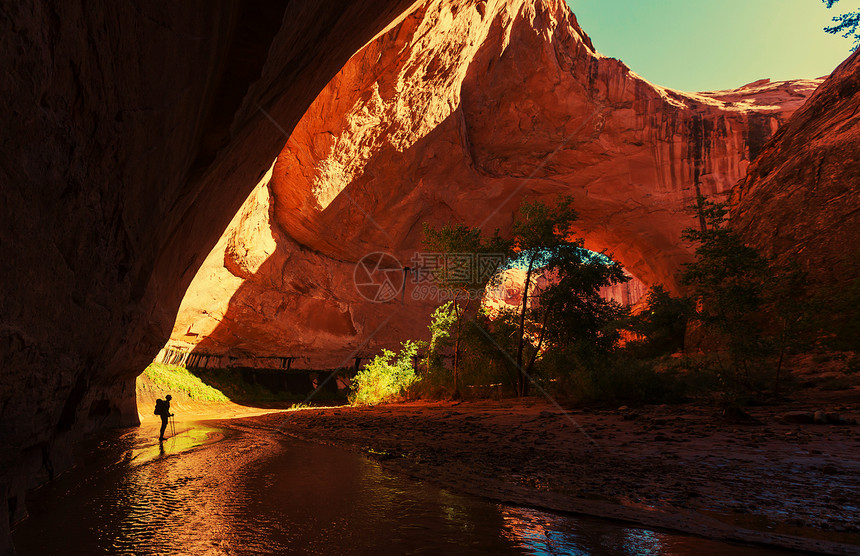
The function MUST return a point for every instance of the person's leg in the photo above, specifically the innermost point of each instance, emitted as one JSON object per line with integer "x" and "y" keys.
{"x": 163, "y": 426}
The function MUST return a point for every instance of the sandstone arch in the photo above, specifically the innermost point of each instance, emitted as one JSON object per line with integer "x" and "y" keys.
{"x": 445, "y": 117}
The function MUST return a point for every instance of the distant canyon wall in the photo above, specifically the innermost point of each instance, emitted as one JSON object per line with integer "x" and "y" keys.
{"x": 457, "y": 114}
{"x": 508, "y": 294}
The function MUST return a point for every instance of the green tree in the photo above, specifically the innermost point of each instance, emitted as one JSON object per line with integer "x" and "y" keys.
{"x": 568, "y": 308}
{"x": 459, "y": 278}
{"x": 493, "y": 337}
{"x": 662, "y": 324}
{"x": 442, "y": 321}
{"x": 759, "y": 308}
{"x": 728, "y": 282}
{"x": 847, "y": 24}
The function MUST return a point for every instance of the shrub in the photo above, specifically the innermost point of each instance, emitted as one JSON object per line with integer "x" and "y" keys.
{"x": 613, "y": 378}
{"x": 386, "y": 377}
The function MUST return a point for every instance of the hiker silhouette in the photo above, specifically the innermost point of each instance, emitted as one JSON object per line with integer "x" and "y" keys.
{"x": 163, "y": 409}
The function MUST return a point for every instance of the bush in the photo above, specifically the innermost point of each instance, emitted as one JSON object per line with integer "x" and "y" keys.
{"x": 661, "y": 326}
{"x": 485, "y": 368}
{"x": 386, "y": 377}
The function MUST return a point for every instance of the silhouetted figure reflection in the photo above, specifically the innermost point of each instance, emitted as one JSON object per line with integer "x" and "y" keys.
{"x": 165, "y": 415}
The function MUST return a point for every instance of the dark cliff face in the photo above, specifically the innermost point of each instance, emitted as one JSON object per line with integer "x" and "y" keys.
{"x": 801, "y": 197}
{"x": 131, "y": 135}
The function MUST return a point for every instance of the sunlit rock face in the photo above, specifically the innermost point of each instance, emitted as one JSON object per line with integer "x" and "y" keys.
{"x": 801, "y": 199}
{"x": 506, "y": 293}
{"x": 457, "y": 114}
{"x": 131, "y": 135}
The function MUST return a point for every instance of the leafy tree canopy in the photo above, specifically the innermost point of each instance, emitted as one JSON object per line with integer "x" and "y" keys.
{"x": 845, "y": 24}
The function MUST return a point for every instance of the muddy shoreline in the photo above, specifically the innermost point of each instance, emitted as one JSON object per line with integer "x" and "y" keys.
{"x": 685, "y": 468}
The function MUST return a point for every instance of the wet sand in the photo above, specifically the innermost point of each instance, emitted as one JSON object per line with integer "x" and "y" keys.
{"x": 685, "y": 468}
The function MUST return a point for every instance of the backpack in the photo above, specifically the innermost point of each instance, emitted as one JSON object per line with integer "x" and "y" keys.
{"x": 159, "y": 407}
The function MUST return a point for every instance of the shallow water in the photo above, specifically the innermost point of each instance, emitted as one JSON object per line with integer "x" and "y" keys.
{"x": 230, "y": 487}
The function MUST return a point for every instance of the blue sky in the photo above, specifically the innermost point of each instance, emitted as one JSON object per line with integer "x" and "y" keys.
{"x": 698, "y": 45}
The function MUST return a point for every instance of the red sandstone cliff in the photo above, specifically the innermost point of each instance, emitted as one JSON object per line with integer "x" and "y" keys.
{"x": 801, "y": 198}
{"x": 456, "y": 114}
{"x": 132, "y": 133}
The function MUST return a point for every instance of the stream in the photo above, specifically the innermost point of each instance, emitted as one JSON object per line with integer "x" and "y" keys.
{"x": 230, "y": 487}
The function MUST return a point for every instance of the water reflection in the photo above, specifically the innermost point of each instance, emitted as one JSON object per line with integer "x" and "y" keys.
{"x": 541, "y": 533}
{"x": 229, "y": 488}
{"x": 183, "y": 441}
{"x": 456, "y": 514}
{"x": 168, "y": 494}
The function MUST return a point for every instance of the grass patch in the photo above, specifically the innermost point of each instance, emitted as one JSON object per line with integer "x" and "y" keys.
{"x": 178, "y": 379}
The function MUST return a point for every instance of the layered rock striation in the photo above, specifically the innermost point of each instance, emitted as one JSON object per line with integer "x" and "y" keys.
{"x": 457, "y": 114}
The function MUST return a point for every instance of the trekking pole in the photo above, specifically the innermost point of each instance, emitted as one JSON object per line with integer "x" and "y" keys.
{"x": 173, "y": 425}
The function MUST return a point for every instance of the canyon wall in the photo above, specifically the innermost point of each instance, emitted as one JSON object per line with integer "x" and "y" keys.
{"x": 457, "y": 114}
{"x": 801, "y": 198}
{"x": 132, "y": 133}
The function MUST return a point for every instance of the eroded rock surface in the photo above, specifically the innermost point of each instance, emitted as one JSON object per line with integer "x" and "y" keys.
{"x": 801, "y": 199}
{"x": 457, "y": 114}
